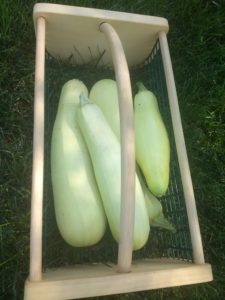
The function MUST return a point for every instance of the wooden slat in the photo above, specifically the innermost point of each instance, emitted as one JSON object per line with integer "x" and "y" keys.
{"x": 98, "y": 280}
{"x": 182, "y": 153}
{"x": 38, "y": 157}
{"x": 75, "y": 30}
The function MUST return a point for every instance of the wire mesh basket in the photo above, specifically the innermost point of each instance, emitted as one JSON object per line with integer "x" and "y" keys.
{"x": 58, "y": 271}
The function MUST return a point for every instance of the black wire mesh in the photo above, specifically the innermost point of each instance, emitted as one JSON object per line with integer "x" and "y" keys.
{"x": 161, "y": 242}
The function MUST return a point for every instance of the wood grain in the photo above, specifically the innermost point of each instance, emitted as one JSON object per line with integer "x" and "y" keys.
{"x": 38, "y": 157}
{"x": 99, "y": 279}
{"x": 182, "y": 153}
{"x": 127, "y": 148}
{"x": 75, "y": 30}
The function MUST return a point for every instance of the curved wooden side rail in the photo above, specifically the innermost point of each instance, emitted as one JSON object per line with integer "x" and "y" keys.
{"x": 182, "y": 153}
{"x": 127, "y": 148}
{"x": 38, "y": 157}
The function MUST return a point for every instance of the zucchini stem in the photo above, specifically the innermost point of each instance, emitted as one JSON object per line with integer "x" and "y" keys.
{"x": 141, "y": 86}
{"x": 162, "y": 222}
{"x": 83, "y": 99}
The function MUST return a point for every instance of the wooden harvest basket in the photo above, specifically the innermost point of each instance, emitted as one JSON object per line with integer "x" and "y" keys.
{"x": 86, "y": 33}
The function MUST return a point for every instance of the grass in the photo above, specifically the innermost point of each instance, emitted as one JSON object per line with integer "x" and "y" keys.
{"x": 197, "y": 48}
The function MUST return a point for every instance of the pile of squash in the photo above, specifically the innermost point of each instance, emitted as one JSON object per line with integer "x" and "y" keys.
{"x": 86, "y": 163}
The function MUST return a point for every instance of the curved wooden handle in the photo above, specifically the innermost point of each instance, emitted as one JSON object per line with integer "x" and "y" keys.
{"x": 127, "y": 148}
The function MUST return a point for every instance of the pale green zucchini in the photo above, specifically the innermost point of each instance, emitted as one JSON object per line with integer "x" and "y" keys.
{"x": 79, "y": 212}
{"x": 152, "y": 142}
{"x": 104, "y": 94}
{"x": 154, "y": 207}
{"x": 104, "y": 149}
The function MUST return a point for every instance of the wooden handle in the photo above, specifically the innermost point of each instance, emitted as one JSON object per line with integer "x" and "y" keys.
{"x": 127, "y": 148}
{"x": 182, "y": 153}
{"x": 38, "y": 157}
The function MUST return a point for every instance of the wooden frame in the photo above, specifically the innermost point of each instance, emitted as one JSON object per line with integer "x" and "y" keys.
{"x": 72, "y": 282}
{"x": 99, "y": 280}
{"x": 38, "y": 157}
{"x": 65, "y": 37}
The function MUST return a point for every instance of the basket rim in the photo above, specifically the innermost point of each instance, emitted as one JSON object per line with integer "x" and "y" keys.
{"x": 75, "y": 30}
